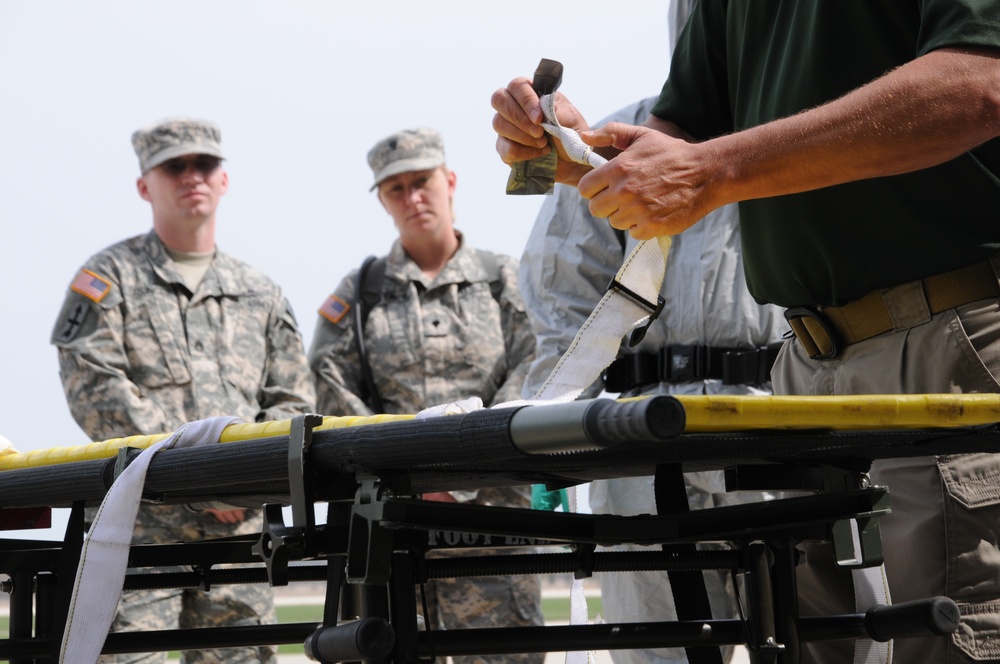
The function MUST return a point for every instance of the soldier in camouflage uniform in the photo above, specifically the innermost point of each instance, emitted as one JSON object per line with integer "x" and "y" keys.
{"x": 440, "y": 332}
{"x": 162, "y": 329}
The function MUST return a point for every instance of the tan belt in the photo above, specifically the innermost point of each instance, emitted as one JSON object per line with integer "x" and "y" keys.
{"x": 825, "y": 331}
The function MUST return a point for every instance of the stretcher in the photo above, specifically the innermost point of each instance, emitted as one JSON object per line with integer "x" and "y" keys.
{"x": 372, "y": 550}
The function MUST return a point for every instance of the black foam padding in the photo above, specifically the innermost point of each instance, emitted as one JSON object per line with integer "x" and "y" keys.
{"x": 58, "y": 485}
{"x": 463, "y": 452}
{"x": 435, "y": 442}
{"x": 216, "y": 467}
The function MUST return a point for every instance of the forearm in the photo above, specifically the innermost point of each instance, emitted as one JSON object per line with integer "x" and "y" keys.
{"x": 922, "y": 114}
{"x": 334, "y": 399}
{"x": 337, "y": 392}
{"x": 105, "y": 403}
{"x": 282, "y": 402}
{"x": 510, "y": 389}
{"x": 336, "y": 366}
{"x": 519, "y": 343}
{"x": 288, "y": 390}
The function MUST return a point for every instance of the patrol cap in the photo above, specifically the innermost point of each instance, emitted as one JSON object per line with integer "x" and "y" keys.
{"x": 408, "y": 150}
{"x": 175, "y": 137}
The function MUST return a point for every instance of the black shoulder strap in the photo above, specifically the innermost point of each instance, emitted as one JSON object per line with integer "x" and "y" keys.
{"x": 370, "y": 280}
{"x": 369, "y": 292}
{"x": 687, "y": 586}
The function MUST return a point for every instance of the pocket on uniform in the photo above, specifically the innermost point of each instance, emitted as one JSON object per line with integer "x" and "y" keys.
{"x": 971, "y": 479}
{"x": 978, "y": 633}
{"x": 972, "y": 521}
{"x": 151, "y": 345}
{"x": 977, "y": 332}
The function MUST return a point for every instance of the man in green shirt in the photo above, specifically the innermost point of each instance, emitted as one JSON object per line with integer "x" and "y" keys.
{"x": 859, "y": 139}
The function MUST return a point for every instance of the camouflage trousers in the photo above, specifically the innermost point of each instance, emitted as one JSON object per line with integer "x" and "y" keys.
{"x": 500, "y": 601}
{"x": 230, "y": 605}
{"x": 239, "y": 605}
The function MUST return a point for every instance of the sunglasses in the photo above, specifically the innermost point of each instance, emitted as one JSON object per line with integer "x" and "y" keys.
{"x": 204, "y": 164}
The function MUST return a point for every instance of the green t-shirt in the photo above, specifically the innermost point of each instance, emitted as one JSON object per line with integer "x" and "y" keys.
{"x": 742, "y": 63}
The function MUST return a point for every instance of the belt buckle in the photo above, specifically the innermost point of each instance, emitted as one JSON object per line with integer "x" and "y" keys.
{"x": 805, "y": 323}
{"x": 684, "y": 364}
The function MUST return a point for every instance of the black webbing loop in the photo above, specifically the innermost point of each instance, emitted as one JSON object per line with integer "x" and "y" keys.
{"x": 688, "y": 588}
{"x": 372, "y": 398}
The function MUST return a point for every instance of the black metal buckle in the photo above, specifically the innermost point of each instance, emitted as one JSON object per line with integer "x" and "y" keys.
{"x": 682, "y": 364}
{"x": 639, "y": 333}
{"x": 824, "y": 324}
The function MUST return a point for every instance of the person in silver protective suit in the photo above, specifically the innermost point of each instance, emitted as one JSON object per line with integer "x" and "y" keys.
{"x": 569, "y": 259}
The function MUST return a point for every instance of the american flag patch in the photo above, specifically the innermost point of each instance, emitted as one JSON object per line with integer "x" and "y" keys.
{"x": 90, "y": 285}
{"x": 334, "y": 309}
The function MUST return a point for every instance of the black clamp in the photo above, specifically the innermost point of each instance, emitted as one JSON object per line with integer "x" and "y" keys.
{"x": 278, "y": 543}
{"x": 123, "y": 458}
{"x": 113, "y": 467}
{"x": 584, "y": 561}
{"x": 369, "y": 543}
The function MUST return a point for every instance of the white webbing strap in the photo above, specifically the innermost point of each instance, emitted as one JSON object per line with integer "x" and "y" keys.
{"x": 578, "y": 611}
{"x": 101, "y": 573}
{"x": 578, "y": 615}
{"x": 598, "y": 341}
{"x": 575, "y": 148}
{"x": 630, "y": 302}
{"x": 871, "y": 588}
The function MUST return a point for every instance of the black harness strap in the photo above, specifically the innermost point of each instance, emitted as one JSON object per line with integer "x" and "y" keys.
{"x": 369, "y": 292}
{"x": 687, "y": 587}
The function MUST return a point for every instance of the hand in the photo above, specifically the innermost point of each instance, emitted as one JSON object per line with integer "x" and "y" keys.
{"x": 520, "y": 135}
{"x": 227, "y": 516}
{"x": 658, "y": 185}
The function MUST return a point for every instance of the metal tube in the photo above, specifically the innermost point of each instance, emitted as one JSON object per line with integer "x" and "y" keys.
{"x": 620, "y": 636}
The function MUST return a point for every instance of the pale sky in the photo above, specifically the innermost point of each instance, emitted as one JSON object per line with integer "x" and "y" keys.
{"x": 301, "y": 90}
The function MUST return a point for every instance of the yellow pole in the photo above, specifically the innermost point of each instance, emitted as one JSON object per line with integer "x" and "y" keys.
{"x": 231, "y": 434}
{"x": 719, "y": 413}
{"x": 704, "y": 414}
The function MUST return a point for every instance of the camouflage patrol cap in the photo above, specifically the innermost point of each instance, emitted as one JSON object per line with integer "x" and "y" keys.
{"x": 408, "y": 150}
{"x": 175, "y": 137}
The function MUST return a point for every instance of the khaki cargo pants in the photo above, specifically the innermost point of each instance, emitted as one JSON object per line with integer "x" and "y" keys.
{"x": 943, "y": 536}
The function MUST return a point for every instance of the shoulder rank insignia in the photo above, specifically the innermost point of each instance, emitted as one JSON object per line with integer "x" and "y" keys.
{"x": 91, "y": 286}
{"x": 334, "y": 309}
